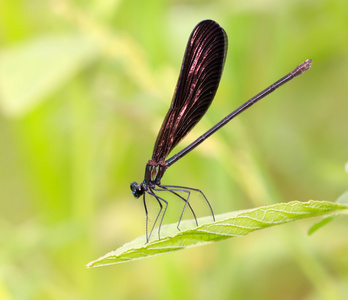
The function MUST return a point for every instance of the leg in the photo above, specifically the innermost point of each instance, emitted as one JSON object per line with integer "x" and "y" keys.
{"x": 165, "y": 188}
{"x": 159, "y": 199}
{"x": 184, "y": 188}
{"x": 147, "y": 219}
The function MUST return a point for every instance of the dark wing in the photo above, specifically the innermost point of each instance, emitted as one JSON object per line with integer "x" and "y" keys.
{"x": 197, "y": 84}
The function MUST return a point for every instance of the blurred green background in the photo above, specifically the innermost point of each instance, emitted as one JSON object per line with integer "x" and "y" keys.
{"x": 84, "y": 87}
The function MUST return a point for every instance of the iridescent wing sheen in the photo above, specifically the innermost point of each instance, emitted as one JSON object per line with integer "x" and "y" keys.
{"x": 197, "y": 84}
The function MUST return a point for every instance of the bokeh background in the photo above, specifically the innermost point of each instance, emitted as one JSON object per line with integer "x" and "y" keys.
{"x": 84, "y": 87}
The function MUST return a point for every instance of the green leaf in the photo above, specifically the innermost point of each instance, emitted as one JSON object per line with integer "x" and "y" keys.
{"x": 227, "y": 225}
{"x": 342, "y": 199}
{"x": 320, "y": 224}
{"x": 32, "y": 71}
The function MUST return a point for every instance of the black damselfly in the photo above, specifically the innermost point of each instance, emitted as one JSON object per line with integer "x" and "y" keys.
{"x": 198, "y": 81}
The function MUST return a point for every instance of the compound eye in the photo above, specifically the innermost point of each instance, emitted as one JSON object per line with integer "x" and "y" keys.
{"x": 136, "y": 189}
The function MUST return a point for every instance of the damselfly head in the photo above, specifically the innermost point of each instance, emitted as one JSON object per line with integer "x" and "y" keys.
{"x": 137, "y": 189}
